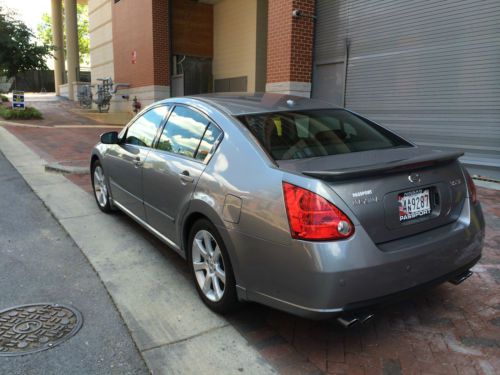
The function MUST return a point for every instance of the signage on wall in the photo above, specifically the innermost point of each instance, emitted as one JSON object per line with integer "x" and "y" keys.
{"x": 134, "y": 57}
{"x": 18, "y": 99}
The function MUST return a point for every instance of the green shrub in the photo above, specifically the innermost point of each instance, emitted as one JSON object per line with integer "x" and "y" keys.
{"x": 4, "y": 98}
{"x": 19, "y": 114}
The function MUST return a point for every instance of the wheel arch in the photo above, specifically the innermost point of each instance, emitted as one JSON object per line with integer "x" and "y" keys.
{"x": 201, "y": 210}
{"x": 93, "y": 159}
{"x": 97, "y": 155}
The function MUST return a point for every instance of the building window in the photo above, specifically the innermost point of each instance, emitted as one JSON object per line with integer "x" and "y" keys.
{"x": 236, "y": 84}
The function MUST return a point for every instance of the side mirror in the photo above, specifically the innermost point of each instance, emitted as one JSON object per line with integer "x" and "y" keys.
{"x": 109, "y": 138}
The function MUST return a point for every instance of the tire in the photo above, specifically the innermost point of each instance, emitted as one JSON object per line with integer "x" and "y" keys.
{"x": 211, "y": 268}
{"x": 100, "y": 187}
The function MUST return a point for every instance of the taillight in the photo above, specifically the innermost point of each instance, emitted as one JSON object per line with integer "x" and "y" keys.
{"x": 471, "y": 186}
{"x": 312, "y": 217}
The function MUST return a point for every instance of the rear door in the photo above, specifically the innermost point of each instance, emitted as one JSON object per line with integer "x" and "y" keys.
{"x": 125, "y": 160}
{"x": 173, "y": 168}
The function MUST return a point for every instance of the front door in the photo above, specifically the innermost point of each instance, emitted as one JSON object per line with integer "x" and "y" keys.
{"x": 172, "y": 170}
{"x": 125, "y": 160}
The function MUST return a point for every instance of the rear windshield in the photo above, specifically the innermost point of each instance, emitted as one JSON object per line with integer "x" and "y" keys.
{"x": 308, "y": 134}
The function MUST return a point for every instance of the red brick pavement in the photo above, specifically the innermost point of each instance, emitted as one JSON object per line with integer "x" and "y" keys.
{"x": 445, "y": 330}
{"x": 66, "y": 145}
{"x": 69, "y": 144}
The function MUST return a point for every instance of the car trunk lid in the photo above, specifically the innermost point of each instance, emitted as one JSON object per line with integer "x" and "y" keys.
{"x": 377, "y": 185}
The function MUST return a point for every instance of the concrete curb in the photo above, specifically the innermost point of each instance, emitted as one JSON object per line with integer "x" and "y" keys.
{"x": 487, "y": 184}
{"x": 150, "y": 286}
{"x": 61, "y": 168}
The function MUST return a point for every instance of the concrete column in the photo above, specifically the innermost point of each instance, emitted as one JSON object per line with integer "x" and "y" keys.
{"x": 72, "y": 53}
{"x": 57, "y": 41}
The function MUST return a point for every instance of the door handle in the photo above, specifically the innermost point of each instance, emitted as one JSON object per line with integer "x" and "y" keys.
{"x": 138, "y": 162}
{"x": 185, "y": 177}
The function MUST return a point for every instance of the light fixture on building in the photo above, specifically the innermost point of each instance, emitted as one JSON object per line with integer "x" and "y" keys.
{"x": 297, "y": 13}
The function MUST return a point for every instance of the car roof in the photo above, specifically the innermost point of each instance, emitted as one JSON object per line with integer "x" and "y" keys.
{"x": 237, "y": 104}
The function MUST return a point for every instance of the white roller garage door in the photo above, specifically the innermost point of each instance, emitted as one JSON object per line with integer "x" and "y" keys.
{"x": 428, "y": 69}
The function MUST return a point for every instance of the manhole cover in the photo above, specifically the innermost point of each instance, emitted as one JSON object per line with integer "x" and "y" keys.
{"x": 33, "y": 328}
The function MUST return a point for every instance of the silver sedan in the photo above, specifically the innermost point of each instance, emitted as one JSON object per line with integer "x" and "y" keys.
{"x": 291, "y": 202}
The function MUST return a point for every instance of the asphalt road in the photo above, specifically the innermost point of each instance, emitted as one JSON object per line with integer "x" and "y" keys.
{"x": 40, "y": 263}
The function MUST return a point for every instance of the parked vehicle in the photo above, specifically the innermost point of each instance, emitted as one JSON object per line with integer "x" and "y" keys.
{"x": 290, "y": 202}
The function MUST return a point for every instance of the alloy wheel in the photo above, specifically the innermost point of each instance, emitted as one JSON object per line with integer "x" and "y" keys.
{"x": 100, "y": 188}
{"x": 208, "y": 265}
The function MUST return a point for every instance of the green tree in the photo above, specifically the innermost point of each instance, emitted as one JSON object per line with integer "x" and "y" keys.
{"x": 19, "y": 50}
{"x": 44, "y": 29}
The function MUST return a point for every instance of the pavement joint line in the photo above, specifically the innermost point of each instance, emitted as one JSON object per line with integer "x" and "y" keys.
{"x": 42, "y": 184}
{"x": 199, "y": 334}
{"x": 61, "y": 219}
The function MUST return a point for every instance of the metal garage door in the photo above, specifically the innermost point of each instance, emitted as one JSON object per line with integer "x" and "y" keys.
{"x": 428, "y": 69}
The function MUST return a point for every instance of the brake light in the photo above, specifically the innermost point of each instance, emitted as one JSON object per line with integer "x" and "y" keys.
{"x": 312, "y": 217}
{"x": 471, "y": 187}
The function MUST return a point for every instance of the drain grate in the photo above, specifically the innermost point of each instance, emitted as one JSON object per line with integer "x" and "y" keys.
{"x": 32, "y": 328}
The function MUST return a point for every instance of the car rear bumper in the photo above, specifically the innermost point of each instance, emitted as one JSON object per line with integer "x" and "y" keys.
{"x": 320, "y": 280}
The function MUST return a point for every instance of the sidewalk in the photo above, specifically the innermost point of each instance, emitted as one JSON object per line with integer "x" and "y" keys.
{"x": 40, "y": 263}
{"x": 447, "y": 330}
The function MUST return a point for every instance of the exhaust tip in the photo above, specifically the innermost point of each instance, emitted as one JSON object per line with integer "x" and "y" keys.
{"x": 367, "y": 318}
{"x": 461, "y": 278}
{"x": 350, "y": 321}
{"x": 347, "y": 322}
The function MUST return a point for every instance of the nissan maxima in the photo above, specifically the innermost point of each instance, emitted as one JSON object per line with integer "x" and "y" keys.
{"x": 291, "y": 202}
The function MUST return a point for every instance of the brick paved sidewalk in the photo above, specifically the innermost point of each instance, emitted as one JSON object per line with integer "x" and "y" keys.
{"x": 445, "y": 330}
{"x": 62, "y": 135}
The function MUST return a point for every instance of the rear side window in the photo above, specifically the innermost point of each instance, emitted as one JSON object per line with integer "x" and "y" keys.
{"x": 208, "y": 142}
{"x": 143, "y": 131}
{"x": 314, "y": 133}
{"x": 183, "y": 132}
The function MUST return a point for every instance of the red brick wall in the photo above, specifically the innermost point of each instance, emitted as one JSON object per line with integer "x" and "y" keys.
{"x": 133, "y": 25}
{"x": 289, "y": 41}
{"x": 161, "y": 43}
{"x": 192, "y": 28}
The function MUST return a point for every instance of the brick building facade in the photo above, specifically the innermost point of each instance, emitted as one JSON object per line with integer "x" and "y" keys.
{"x": 165, "y": 48}
{"x": 290, "y": 46}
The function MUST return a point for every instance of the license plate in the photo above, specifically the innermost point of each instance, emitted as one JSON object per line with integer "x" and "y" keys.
{"x": 414, "y": 204}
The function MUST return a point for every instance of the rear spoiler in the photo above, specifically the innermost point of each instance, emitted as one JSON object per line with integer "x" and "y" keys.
{"x": 418, "y": 162}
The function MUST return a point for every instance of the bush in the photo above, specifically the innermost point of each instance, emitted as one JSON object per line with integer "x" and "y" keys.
{"x": 4, "y": 98}
{"x": 19, "y": 114}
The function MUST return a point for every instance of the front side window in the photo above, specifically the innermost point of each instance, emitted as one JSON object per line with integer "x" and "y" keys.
{"x": 315, "y": 133}
{"x": 183, "y": 132}
{"x": 143, "y": 131}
